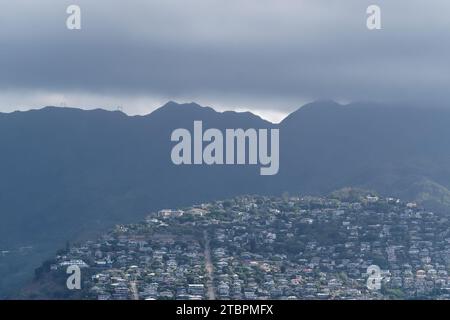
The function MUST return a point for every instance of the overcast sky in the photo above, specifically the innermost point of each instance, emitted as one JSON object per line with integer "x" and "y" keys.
{"x": 267, "y": 56}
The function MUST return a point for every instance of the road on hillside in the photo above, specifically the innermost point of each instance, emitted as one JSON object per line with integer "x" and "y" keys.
{"x": 210, "y": 292}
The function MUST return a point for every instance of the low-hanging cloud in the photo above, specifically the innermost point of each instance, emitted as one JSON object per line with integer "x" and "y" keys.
{"x": 260, "y": 54}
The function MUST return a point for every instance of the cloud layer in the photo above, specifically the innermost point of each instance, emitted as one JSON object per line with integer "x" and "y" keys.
{"x": 255, "y": 54}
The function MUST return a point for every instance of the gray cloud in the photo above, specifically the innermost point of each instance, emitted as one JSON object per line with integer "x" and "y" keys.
{"x": 259, "y": 54}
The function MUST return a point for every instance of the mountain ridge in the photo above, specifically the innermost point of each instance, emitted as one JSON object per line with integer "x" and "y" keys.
{"x": 68, "y": 172}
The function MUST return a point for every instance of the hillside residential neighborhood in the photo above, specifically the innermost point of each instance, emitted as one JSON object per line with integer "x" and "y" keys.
{"x": 257, "y": 247}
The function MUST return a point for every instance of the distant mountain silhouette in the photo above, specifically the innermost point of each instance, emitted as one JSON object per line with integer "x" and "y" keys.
{"x": 69, "y": 173}
{"x": 327, "y": 146}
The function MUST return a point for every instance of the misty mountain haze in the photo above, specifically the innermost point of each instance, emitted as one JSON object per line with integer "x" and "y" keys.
{"x": 69, "y": 173}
